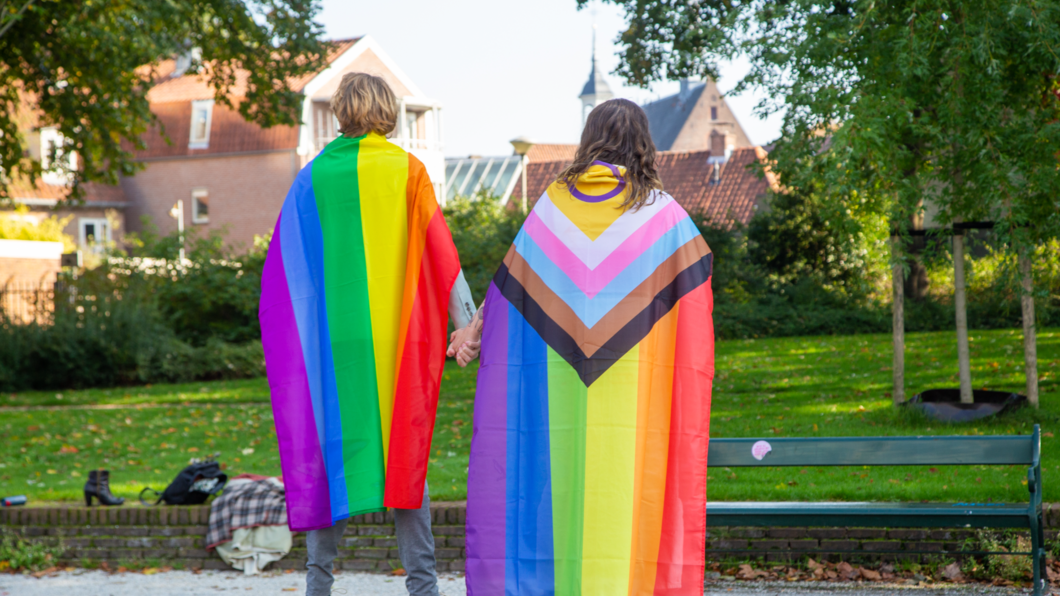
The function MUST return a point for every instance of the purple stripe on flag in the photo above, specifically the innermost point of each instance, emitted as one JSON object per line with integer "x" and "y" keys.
{"x": 486, "y": 482}
{"x": 301, "y": 458}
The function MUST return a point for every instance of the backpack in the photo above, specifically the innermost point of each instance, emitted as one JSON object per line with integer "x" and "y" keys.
{"x": 192, "y": 486}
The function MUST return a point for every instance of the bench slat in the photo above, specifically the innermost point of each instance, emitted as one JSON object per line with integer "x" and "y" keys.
{"x": 875, "y": 451}
{"x": 873, "y": 515}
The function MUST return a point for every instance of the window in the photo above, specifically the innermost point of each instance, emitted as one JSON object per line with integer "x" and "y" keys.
{"x": 51, "y": 140}
{"x": 201, "y": 117}
{"x": 94, "y": 233}
{"x": 200, "y": 206}
{"x": 713, "y": 112}
{"x": 411, "y": 130}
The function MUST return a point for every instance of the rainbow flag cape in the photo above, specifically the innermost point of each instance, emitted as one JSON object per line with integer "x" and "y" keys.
{"x": 589, "y": 453}
{"x": 353, "y": 316}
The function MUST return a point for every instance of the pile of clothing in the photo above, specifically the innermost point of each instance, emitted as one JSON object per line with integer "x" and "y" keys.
{"x": 248, "y": 523}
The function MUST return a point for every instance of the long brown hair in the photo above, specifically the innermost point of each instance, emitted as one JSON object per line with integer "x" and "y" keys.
{"x": 616, "y": 132}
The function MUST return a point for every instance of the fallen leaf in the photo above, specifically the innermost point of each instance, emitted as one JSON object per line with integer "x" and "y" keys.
{"x": 290, "y": 589}
{"x": 150, "y": 571}
{"x": 44, "y": 572}
{"x": 68, "y": 449}
{"x": 933, "y": 470}
{"x": 1047, "y": 434}
{"x": 952, "y": 572}
{"x": 398, "y": 572}
{"x": 869, "y": 574}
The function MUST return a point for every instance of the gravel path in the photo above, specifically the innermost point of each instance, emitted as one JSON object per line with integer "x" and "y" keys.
{"x": 184, "y": 583}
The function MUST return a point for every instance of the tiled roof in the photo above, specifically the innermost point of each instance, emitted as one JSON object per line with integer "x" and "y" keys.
{"x": 194, "y": 86}
{"x": 95, "y": 194}
{"x": 551, "y": 152}
{"x": 229, "y": 132}
{"x": 687, "y": 177}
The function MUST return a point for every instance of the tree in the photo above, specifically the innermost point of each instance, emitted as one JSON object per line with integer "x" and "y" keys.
{"x": 895, "y": 103}
{"x": 85, "y": 67}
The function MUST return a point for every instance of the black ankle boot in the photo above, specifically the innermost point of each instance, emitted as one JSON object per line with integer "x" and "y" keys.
{"x": 98, "y": 486}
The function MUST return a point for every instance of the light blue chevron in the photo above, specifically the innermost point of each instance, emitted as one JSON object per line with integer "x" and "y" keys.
{"x": 591, "y": 310}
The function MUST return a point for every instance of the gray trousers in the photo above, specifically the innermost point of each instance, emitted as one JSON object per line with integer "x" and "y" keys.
{"x": 415, "y": 548}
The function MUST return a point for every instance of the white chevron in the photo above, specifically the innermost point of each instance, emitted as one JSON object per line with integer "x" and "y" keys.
{"x": 590, "y": 252}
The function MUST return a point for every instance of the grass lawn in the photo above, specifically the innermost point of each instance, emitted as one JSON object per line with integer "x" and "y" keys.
{"x": 791, "y": 387}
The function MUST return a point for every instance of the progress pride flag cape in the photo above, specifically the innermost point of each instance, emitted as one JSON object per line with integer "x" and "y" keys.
{"x": 589, "y": 454}
{"x": 353, "y": 318}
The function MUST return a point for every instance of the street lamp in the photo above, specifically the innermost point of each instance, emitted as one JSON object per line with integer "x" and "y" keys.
{"x": 177, "y": 213}
{"x": 522, "y": 147}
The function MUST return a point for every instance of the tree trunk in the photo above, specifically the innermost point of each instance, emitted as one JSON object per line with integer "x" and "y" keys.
{"x": 1030, "y": 342}
{"x": 898, "y": 323}
{"x": 964, "y": 365}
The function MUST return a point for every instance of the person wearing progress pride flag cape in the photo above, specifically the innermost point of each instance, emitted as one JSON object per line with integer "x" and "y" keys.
{"x": 588, "y": 470}
{"x": 360, "y": 274}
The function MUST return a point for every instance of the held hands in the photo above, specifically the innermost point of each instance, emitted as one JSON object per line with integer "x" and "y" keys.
{"x": 464, "y": 344}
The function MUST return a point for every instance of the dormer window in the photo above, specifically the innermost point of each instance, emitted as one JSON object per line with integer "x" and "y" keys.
{"x": 51, "y": 145}
{"x": 201, "y": 116}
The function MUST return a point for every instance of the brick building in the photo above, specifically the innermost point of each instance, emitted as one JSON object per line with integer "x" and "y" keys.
{"x": 231, "y": 174}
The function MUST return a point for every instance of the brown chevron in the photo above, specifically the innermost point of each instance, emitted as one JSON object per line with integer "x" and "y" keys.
{"x": 589, "y": 340}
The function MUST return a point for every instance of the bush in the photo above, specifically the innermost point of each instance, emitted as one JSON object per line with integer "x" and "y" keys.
{"x": 100, "y": 341}
{"x": 143, "y": 319}
{"x": 213, "y": 294}
{"x": 483, "y": 229}
{"x": 17, "y": 225}
{"x": 16, "y": 554}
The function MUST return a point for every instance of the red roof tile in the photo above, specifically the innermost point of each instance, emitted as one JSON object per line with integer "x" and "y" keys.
{"x": 94, "y": 193}
{"x": 194, "y": 86}
{"x": 551, "y": 152}
{"x": 229, "y": 133}
{"x": 687, "y": 177}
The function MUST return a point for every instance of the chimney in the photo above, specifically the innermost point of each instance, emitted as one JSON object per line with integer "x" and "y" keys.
{"x": 717, "y": 143}
{"x": 718, "y": 153}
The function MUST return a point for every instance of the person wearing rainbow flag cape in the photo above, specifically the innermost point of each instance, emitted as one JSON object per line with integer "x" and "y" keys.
{"x": 360, "y": 276}
{"x": 588, "y": 469}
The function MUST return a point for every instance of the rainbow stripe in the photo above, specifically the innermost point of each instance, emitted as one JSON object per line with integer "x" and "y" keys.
{"x": 589, "y": 455}
{"x": 353, "y": 315}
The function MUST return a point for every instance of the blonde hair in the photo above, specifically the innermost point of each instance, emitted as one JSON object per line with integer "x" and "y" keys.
{"x": 364, "y": 103}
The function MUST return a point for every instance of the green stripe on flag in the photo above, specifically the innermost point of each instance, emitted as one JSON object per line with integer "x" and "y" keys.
{"x": 567, "y": 398}
{"x": 335, "y": 184}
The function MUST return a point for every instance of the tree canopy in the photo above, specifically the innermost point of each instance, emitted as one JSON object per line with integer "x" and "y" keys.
{"x": 888, "y": 102}
{"x": 85, "y": 67}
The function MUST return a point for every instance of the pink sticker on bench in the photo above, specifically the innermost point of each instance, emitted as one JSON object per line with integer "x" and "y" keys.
{"x": 760, "y": 449}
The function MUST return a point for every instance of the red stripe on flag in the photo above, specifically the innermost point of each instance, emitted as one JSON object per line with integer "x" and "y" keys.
{"x": 683, "y": 544}
{"x": 420, "y": 370}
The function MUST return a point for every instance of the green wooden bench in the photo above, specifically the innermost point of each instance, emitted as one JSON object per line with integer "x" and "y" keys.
{"x": 888, "y": 451}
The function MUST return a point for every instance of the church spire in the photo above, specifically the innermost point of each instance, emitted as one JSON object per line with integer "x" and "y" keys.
{"x": 596, "y": 90}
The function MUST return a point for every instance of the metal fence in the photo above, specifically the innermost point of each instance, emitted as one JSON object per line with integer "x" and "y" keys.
{"x": 22, "y": 303}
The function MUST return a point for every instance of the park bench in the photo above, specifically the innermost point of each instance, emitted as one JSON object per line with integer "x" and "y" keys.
{"x": 887, "y": 451}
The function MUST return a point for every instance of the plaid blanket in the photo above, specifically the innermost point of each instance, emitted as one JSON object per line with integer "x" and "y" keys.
{"x": 245, "y": 504}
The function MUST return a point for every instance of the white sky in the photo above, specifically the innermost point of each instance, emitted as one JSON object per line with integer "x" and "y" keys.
{"x": 505, "y": 68}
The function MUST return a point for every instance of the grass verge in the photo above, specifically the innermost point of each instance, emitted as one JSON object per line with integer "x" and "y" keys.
{"x": 788, "y": 387}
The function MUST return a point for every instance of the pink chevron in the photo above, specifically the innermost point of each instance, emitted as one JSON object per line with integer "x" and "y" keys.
{"x": 591, "y": 281}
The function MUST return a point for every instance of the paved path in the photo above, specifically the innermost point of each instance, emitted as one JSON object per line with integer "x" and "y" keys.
{"x": 185, "y": 583}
